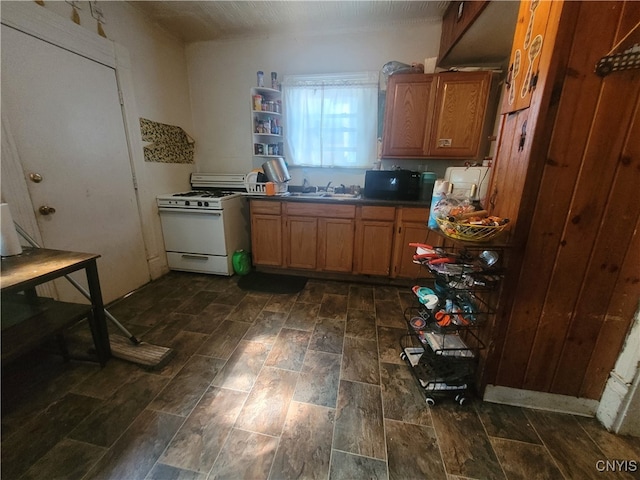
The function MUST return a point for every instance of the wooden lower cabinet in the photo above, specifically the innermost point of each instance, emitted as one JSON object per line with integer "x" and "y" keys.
{"x": 374, "y": 240}
{"x": 411, "y": 225}
{"x": 345, "y": 238}
{"x": 266, "y": 239}
{"x": 335, "y": 244}
{"x": 318, "y": 236}
{"x": 301, "y": 242}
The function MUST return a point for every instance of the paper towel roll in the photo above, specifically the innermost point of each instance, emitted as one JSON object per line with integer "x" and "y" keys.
{"x": 9, "y": 242}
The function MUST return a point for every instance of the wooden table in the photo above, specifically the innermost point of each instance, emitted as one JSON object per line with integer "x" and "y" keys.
{"x": 27, "y": 319}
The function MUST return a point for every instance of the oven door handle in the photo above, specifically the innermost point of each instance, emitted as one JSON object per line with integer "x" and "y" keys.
{"x": 195, "y": 211}
{"x": 194, "y": 257}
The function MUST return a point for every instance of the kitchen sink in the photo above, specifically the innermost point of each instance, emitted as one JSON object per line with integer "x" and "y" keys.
{"x": 337, "y": 196}
{"x": 308, "y": 194}
{"x": 342, "y": 195}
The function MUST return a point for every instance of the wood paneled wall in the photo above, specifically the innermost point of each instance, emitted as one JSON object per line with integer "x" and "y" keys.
{"x": 573, "y": 193}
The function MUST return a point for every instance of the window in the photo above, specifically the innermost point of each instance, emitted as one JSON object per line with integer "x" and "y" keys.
{"x": 331, "y": 120}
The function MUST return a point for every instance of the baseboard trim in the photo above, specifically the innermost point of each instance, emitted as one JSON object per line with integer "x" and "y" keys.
{"x": 157, "y": 267}
{"x": 552, "y": 402}
{"x": 341, "y": 277}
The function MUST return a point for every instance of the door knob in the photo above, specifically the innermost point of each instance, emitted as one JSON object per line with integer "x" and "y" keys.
{"x": 35, "y": 177}
{"x": 46, "y": 210}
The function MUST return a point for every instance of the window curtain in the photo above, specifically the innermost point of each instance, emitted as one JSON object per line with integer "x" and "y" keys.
{"x": 331, "y": 119}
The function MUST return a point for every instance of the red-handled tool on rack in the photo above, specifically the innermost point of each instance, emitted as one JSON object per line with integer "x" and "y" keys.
{"x": 425, "y": 251}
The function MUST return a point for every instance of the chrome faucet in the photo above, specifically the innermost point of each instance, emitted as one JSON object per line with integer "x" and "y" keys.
{"x": 329, "y": 187}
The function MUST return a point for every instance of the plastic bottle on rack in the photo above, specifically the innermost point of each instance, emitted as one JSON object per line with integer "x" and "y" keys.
{"x": 440, "y": 189}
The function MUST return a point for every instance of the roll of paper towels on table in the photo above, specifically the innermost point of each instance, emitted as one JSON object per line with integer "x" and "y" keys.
{"x": 10, "y": 244}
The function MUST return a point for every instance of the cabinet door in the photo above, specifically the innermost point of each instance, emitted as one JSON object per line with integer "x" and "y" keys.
{"x": 408, "y": 232}
{"x": 411, "y": 226}
{"x": 374, "y": 247}
{"x": 266, "y": 239}
{"x": 301, "y": 242}
{"x": 460, "y": 107}
{"x": 525, "y": 54}
{"x": 408, "y": 115}
{"x": 335, "y": 244}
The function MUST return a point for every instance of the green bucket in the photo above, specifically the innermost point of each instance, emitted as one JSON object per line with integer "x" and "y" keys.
{"x": 241, "y": 261}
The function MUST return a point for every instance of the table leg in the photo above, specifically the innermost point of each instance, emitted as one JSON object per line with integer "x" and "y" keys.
{"x": 98, "y": 321}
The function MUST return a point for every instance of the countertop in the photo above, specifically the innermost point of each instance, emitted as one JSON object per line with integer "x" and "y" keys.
{"x": 341, "y": 200}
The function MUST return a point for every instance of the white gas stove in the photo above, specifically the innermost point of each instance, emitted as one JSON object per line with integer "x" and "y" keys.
{"x": 202, "y": 228}
{"x": 210, "y": 192}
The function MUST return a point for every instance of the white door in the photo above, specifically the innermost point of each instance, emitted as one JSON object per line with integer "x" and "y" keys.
{"x": 65, "y": 116}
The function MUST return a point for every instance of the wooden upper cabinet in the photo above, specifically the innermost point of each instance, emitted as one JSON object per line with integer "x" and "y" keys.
{"x": 523, "y": 72}
{"x": 459, "y": 128}
{"x": 408, "y": 114}
{"x": 444, "y": 115}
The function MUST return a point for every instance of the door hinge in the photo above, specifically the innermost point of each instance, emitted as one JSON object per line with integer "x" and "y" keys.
{"x": 120, "y": 97}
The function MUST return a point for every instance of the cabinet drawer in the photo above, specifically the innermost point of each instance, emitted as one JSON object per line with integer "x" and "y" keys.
{"x": 320, "y": 210}
{"x": 409, "y": 214}
{"x": 378, "y": 213}
{"x": 266, "y": 207}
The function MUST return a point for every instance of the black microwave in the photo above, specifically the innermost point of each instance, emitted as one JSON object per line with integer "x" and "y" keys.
{"x": 392, "y": 184}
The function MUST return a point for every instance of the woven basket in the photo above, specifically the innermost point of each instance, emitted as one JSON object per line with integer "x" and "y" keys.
{"x": 468, "y": 232}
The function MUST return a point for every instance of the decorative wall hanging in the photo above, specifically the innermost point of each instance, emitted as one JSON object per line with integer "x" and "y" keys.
{"x": 627, "y": 60}
{"x": 169, "y": 144}
{"x": 96, "y": 12}
{"x": 75, "y": 16}
{"x": 524, "y": 63}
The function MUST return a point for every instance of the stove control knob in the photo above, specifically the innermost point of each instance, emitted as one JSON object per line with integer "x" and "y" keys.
{"x": 187, "y": 203}
{"x": 199, "y": 204}
{"x": 206, "y": 204}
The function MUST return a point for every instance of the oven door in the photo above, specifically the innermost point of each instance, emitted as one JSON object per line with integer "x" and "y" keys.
{"x": 193, "y": 231}
{"x": 195, "y": 240}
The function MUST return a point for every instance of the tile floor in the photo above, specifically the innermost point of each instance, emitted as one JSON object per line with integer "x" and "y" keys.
{"x": 306, "y": 386}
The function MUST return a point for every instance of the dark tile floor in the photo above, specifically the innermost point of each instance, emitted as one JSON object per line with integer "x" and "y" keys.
{"x": 305, "y": 386}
